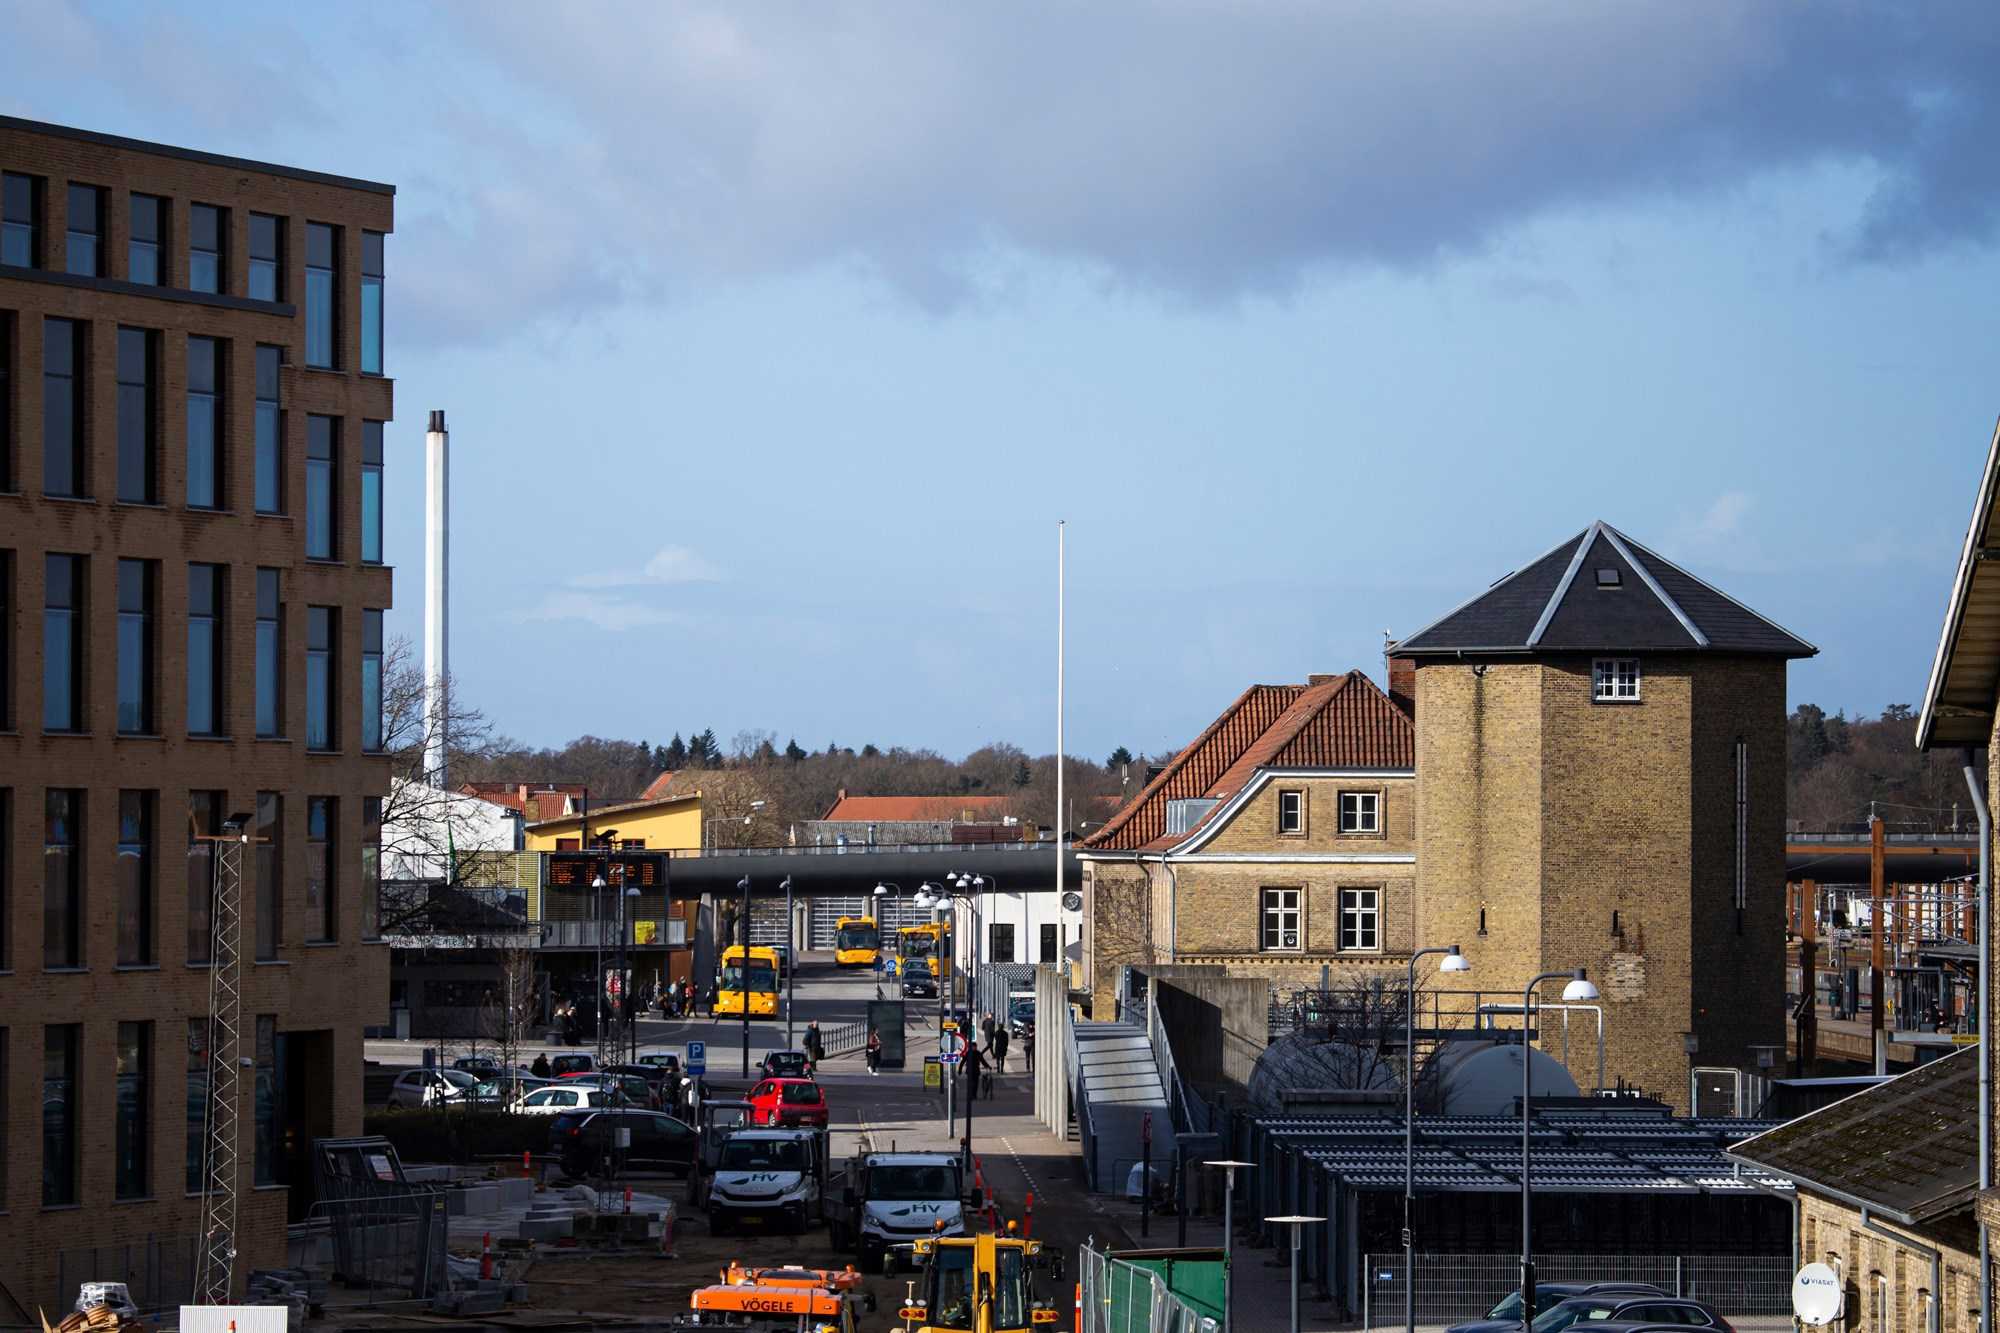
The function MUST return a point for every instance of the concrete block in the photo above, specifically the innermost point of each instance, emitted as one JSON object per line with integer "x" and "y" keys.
{"x": 472, "y": 1200}
{"x": 429, "y": 1175}
{"x": 515, "y": 1190}
{"x": 552, "y": 1227}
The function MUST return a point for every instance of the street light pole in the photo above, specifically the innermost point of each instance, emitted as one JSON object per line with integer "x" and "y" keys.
{"x": 744, "y": 963}
{"x": 1579, "y": 990}
{"x": 791, "y": 960}
{"x": 881, "y": 923}
{"x": 597, "y": 967}
{"x": 1454, "y": 961}
{"x": 1229, "y": 1170}
{"x": 1297, "y": 1225}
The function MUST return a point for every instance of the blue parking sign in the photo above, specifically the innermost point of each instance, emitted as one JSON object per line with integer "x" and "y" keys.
{"x": 697, "y": 1057}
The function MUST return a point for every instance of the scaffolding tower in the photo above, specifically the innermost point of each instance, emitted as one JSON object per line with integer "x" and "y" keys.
{"x": 216, "y": 1258}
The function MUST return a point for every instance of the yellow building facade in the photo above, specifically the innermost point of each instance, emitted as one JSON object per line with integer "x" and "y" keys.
{"x": 672, "y": 823}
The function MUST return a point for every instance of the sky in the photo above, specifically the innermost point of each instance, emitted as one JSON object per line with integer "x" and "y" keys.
{"x": 776, "y": 339}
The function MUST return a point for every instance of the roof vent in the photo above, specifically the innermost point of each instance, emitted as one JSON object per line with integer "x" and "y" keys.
{"x": 1610, "y": 578}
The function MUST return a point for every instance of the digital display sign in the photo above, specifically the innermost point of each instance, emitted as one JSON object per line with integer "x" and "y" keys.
{"x": 580, "y": 870}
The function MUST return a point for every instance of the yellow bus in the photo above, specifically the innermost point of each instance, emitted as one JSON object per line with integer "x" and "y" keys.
{"x": 752, "y": 982}
{"x": 932, "y": 941}
{"x": 856, "y": 942}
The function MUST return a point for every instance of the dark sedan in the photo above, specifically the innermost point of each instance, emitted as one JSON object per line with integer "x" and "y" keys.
{"x": 1505, "y": 1317}
{"x": 587, "y": 1142}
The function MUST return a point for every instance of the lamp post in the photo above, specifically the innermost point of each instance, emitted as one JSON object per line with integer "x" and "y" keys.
{"x": 882, "y": 891}
{"x": 708, "y": 839}
{"x": 628, "y": 1046}
{"x": 927, "y": 901}
{"x": 597, "y": 966}
{"x": 791, "y": 959}
{"x": 970, "y": 890}
{"x": 1580, "y": 990}
{"x": 744, "y": 983}
{"x": 1454, "y": 961}
{"x": 1229, "y": 1170}
{"x": 1297, "y": 1224}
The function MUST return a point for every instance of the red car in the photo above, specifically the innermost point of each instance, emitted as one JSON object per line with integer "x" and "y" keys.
{"x": 788, "y": 1103}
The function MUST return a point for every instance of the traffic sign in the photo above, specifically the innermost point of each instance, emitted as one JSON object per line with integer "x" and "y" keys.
{"x": 697, "y": 1057}
{"x": 949, "y": 1057}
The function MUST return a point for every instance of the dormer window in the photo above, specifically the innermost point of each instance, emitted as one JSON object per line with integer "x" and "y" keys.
{"x": 1291, "y": 814}
{"x": 1610, "y": 578}
{"x": 1615, "y": 680}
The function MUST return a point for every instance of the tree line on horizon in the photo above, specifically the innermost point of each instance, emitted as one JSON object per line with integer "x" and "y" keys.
{"x": 1840, "y": 769}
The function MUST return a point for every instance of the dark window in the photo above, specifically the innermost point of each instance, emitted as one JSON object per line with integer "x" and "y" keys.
{"x": 136, "y": 416}
{"x": 322, "y": 836}
{"x": 999, "y": 942}
{"x": 62, "y": 642}
{"x": 6, "y": 911}
{"x": 86, "y": 231}
{"x": 371, "y": 303}
{"x": 322, "y": 294}
{"x": 144, "y": 246}
{"x": 135, "y": 878}
{"x": 267, "y": 257}
{"x": 204, "y": 423}
{"x": 197, "y": 1103}
{"x": 6, "y": 1081}
{"x": 322, "y": 487}
{"x": 134, "y": 1164}
{"x": 204, "y": 822}
{"x": 207, "y": 227}
{"x": 371, "y": 680}
{"x": 270, "y": 434}
{"x": 1050, "y": 951}
{"x": 1291, "y": 812}
{"x": 63, "y": 458}
{"x": 59, "y": 1113}
{"x": 371, "y": 867}
{"x": 206, "y": 650}
{"x": 137, "y": 597}
{"x": 62, "y": 878}
{"x": 371, "y": 490}
{"x": 6, "y": 649}
{"x": 6, "y": 400}
{"x": 270, "y": 828}
{"x": 20, "y": 220}
{"x": 322, "y": 635}
{"x": 269, "y": 1105}
{"x": 270, "y": 655}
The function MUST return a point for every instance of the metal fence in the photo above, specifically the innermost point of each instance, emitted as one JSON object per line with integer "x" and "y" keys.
{"x": 1123, "y": 1298}
{"x": 388, "y": 1243}
{"x": 159, "y": 1271}
{"x": 1752, "y": 1292}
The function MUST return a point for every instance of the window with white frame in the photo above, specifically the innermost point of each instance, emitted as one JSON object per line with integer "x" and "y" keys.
{"x": 1360, "y": 812}
{"x": 1360, "y": 919}
{"x": 1614, "y": 679}
{"x": 1283, "y": 929}
{"x": 1291, "y": 813}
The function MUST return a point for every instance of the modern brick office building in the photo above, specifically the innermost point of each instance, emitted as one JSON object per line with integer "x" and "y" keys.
{"x": 191, "y": 597}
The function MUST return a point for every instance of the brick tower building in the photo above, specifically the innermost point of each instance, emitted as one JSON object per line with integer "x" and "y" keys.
{"x": 1601, "y": 782}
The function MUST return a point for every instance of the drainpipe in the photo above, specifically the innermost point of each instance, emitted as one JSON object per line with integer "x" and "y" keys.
{"x": 1869, "y": 1224}
{"x": 1985, "y": 1038}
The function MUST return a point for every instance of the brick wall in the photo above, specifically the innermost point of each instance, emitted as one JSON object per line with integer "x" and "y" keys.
{"x": 1830, "y": 1233}
{"x": 1254, "y": 828}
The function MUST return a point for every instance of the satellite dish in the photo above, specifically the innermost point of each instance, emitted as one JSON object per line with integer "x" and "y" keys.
{"x": 1816, "y": 1295}
{"x": 1072, "y": 902}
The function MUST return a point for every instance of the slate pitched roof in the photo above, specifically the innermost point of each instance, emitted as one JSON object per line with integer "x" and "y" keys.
{"x": 918, "y": 809}
{"x": 1600, "y": 591}
{"x": 1341, "y": 721}
{"x": 1908, "y": 1148}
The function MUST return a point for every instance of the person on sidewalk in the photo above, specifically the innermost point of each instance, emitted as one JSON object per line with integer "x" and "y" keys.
{"x": 540, "y": 1069}
{"x": 974, "y": 1066}
{"x": 815, "y": 1046}
{"x": 997, "y": 1045}
{"x": 874, "y": 1051}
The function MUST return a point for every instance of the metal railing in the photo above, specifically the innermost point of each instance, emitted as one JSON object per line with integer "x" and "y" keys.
{"x": 667, "y": 932}
{"x": 1079, "y": 1102}
{"x": 1123, "y": 1298}
{"x": 388, "y": 1243}
{"x": 1752, "y": 1292}
{"x": 1191, "y": 1114}
{"x": 159, "y": 1271}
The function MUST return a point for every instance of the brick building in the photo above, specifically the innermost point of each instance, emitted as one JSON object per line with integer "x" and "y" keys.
{"x": 192, "y": 584}
{"x": 1601, "y": 783}
{"x": 1282, "y": 840}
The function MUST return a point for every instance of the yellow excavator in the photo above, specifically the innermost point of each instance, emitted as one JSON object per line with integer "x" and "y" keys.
{"x": 977, "y": 1284}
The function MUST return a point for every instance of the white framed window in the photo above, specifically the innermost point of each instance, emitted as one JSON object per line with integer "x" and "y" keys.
{"x": 1284, "y": 929}
{"x": 1291, "y": 813}
{"x": 1360, "y": 919}
{"x": 1360, "y": 812}
{"x": 1614, "y": 680}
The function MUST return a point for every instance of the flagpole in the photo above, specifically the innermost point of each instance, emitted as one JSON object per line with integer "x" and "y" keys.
{"x": 1062, "y": 820}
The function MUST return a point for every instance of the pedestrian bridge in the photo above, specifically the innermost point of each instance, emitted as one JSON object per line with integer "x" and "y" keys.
{"x": 1010, "y": 867}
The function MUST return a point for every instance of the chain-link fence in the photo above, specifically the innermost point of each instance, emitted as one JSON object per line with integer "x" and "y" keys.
{"x": 1752, "y": 1292}
{"x": 159, "y": 1271}
{"x": 1123, "y": 1298}
{"x": 387, "y": 1243}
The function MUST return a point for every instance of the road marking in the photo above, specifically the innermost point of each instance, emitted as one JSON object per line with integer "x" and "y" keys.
{"x": 1019, "y": 1165}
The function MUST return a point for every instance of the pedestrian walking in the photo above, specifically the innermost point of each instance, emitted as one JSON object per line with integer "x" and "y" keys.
{"x": 1028, "y": 1044}
{"x": 986, "y": 1026}
{"x": 974, "y": 1065}
{"x": 998, "y": 1046}
{"x": 815, "y": 1045}
{"x": 874, "y": 1051}
{"x": 540, "y": 1069}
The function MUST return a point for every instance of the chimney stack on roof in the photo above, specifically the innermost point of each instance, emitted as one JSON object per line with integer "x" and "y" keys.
{"x": 1403, "y": 684}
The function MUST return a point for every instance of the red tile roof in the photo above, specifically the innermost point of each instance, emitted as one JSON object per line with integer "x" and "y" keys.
{"x": 658, "y": 786}
{"x": 1334, "y": 722}
{"x": 514, "y": 795}
{"x": 913, "y": 809}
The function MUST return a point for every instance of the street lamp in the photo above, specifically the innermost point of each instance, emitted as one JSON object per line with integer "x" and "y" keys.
{"x": 1454, "y": 961}
{"x": 882, "y": 891}
{"x": 597, "y": 978}
{"x": 708, "y": 839}
{"x": 1229, "y": 1170}
{"x": 743, "y": 980}
{"x": 1297, "y": 1225}
{"x": 627, "y": 1046}
{"x": 791, "y": 959}
{"x": 1579, "y": 990}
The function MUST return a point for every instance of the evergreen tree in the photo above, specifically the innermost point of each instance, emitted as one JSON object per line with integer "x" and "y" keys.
{"x": 711, "y": 752}
{"x": 675, "y": 753}
{"x": 869, "y": 752}
{"x": 793, "y": 750}
{"x": 1119, "y": 758}
{"x": 1023, "y": 775}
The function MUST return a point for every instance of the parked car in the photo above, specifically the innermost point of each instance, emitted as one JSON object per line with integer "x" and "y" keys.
{"x": 630, "y": 1089}
{"x": 505, "y": 1089}
{"x": 585, "y": 1141}
{"x": 557, "y": 1098}
{"x": 431, "y": 1087}
{"x": 667, "y": 1060}
{"x": 565, "y": 1065}
{"x": 784, "y": 1064}
{"x": 788, "y": 1103}
{"x": 1506, "y": 1315}
{"x": 919, "y": 982}
{"x": 1579, "y": 1310}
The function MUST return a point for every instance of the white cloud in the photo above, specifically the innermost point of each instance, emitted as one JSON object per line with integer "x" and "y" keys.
{"x": 1721, "y": 521}
{"x": 606, "y": 612}
{"x": 668, "y": 566}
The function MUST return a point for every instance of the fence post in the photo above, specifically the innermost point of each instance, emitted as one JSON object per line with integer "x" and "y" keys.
{"x": 1680, "y": 1280}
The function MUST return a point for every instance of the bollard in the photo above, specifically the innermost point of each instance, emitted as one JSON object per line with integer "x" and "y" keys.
{"x": 528, "y": 1164}
{"x": 1079, "y": 1307}
{"x": 486, "y": 1257}
{"x": 1028, "y": 1218}
{"x": 667, "y": 1235}
{"x": 628, "y": 1198}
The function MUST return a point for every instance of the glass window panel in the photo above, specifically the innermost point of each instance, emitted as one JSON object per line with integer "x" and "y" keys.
{"x": 85, "y": 231}
{"x": 62, "y": 644}
{"x": 205, "y": 650}
{"x": 270, "y": 435}
{"x": 135, "y": 878}
{"x": 20, "y": 219}
{"x": 266, "y": 1101}
{"x": 197, "y": 1104}
{"x": 266, "y": 257}
{"x": 371, "y": 680}
{"x": 142, "y": 251}
{"x": 270, "y": 647}
{"x": 321, "y": 294}
{"x": 60, "y": 1115}
{"x": 135, "y": 647}
{"x": 204, "y": 425}
{"x": 135, "y": 416}
{"x": 322, "y": 628}
{"x": 132, "y": 1149}
{"x": 322, "y": 819}
{"x": 205, "y": 814}
{"x": 322, "y": 469}
{"x": 62, "y": 878}
{"x": 270, "y": 873}
{"x": 62, "y": 410}
{"x": 371, "y": 867}
{"x": 206, "y": 230}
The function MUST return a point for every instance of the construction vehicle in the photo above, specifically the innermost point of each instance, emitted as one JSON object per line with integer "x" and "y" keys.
{"x": 748, "y": 984}
{"x": 931, "y": 941}
{"x": 856, "y": 942}
{"x": 882, "y": 1203}
{"x": 978, "y": 1284}
{"x": 780, "y": 1300}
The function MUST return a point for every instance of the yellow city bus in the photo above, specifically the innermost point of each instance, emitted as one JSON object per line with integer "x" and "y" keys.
{"x": 932, "y": 941}
{"x": 753, "y": 982}
{"x": 856, "y": 942}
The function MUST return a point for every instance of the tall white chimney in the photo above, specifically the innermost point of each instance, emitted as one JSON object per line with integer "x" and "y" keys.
{"x": 437, "y": 593}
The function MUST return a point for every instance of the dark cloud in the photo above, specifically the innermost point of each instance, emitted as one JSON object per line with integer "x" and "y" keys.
{"x": 1200, "y": 149}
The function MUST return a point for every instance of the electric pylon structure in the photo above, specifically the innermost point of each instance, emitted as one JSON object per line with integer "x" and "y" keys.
{"x": 216, "y": 1261}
